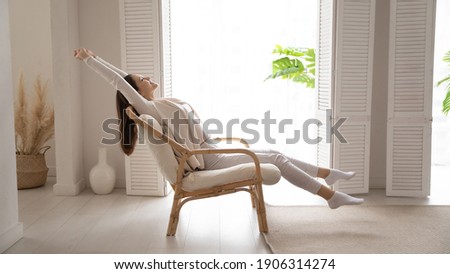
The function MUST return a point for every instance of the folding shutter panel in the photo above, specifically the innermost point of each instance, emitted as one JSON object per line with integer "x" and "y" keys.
{"x": 353, "y": 91}
{"x": 141, "y": 39}
{"x": 166, "y": 56}
{"x": 325, "y": 78}
{"x": 410, "y": 90}
{"x": 143, "y": 177}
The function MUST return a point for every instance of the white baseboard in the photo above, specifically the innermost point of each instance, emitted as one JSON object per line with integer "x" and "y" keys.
{"x": 69, "y": 189}
{"x": 10, "y": 237}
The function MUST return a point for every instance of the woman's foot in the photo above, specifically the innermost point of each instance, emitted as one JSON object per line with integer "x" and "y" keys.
{"x": 336, "y": 175}
{"x": 339, "y": 199}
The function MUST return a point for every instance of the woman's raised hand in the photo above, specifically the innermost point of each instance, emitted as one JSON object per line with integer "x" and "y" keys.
{"x": 82, "y": 53}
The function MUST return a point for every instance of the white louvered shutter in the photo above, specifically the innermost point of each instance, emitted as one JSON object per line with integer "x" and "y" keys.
{"x": 410, "y": 92}
{"x": 166, "y": 49}
{"x": 344, "y": 87}
{"x": 144, "y": 52}
{"x": 141, "y": 37}
{"x": 353, "y": 91}
{"x": 325, "y": 78}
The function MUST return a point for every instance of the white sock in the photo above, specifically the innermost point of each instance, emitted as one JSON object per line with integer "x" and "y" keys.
{"x": 339, "y": 199}
{"x": 336, "y": 175}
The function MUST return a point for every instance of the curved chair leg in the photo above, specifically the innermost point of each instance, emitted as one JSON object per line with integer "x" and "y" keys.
{"x": 253, "y": 195}
{"x": 261, "y": 210}
{"x": 174, "y": 216}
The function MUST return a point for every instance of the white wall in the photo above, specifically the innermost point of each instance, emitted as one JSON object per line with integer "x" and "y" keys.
{"x": 10, "y": 228}
{"x": 100, "y": 32}
{"x": 44, "y": 33}
{"x": 31, "y": 50}
{"x": 67, "y": 96}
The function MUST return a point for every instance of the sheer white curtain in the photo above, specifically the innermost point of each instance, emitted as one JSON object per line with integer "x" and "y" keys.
{"x": 222, "y": 52}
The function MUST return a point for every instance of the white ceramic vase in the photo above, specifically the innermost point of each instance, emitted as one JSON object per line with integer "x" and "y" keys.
{"x": 102, "y": 177}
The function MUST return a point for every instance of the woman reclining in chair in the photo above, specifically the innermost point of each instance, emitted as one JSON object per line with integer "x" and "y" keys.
{"x": 138, "y": 91}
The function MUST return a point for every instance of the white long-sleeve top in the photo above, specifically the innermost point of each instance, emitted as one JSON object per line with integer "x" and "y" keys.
{"x": 162, "y": 109}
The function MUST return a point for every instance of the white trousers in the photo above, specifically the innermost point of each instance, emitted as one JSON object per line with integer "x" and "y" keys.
{"x": 296, "y": 172}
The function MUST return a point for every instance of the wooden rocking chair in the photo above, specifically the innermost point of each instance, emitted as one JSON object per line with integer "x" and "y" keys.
{"x": 171, "y": 158}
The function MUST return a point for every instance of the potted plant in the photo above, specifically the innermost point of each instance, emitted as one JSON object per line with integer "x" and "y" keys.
{"x": 34, "y": 126}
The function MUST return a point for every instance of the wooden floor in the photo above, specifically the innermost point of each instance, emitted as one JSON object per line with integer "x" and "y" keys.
{"x": 118, "y": 223}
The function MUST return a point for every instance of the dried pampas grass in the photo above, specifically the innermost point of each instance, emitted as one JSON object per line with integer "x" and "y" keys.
{"x": 34, "y": 123}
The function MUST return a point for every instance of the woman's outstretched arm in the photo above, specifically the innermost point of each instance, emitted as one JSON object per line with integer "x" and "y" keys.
{"x": 112, "y": 75}
{"x": 112, "y": 67}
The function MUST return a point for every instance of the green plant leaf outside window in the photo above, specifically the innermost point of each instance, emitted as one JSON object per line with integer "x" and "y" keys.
{"x": 446, "y": 81}
{"x": 296, "y": 64}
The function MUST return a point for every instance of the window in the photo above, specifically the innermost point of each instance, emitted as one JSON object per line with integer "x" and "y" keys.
{"x": 441, "y": 124}
{"x": 222, "y": 52}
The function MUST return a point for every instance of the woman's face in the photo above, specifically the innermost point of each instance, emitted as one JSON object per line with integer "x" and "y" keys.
{"x": 146, "y": 86}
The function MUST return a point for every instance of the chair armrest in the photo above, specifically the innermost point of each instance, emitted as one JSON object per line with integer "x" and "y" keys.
{"x": 224, "y": 151}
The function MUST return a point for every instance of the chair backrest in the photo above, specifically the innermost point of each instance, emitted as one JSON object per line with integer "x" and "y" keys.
{"x": 151, "y": 132}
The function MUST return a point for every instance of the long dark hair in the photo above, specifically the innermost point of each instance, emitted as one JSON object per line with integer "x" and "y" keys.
{"x": 127, "y": 126}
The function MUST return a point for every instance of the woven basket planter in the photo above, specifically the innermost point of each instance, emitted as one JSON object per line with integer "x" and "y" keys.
{"x": 31, "y": 170}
